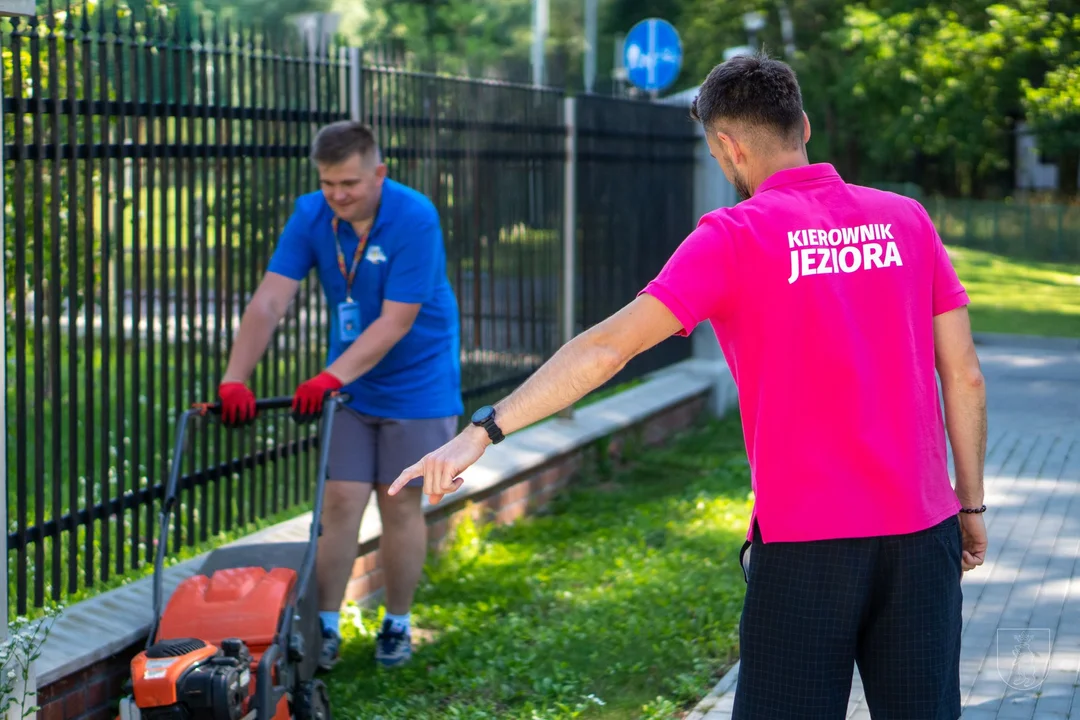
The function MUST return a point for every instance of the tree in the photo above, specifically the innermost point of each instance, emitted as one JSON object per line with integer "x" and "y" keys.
{"x": 262, "y": 13}
{"x": 1053, "y": 107}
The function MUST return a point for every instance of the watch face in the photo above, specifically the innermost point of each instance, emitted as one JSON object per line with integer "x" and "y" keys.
{"x": 483, "y": 414}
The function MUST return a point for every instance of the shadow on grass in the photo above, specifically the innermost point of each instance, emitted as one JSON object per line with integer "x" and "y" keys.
{"x": 621, "y": 602}
{"x": 1026, "y": 297}
{"x": 988, "y": 259}
{"x": 1023, "y": 322}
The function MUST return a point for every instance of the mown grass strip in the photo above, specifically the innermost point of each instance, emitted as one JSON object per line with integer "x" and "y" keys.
{"x": 621, "y": 601}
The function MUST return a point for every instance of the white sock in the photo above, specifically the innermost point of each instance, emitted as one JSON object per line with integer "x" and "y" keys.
{"x": 398, "y": 623}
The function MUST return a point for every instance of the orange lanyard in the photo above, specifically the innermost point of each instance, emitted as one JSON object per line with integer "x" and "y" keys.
{"x": 351, "y": 274}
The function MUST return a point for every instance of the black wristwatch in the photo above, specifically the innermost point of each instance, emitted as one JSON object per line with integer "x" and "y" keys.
{"x": 485, "y": 418}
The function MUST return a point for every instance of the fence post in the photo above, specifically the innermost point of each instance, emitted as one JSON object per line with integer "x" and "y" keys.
{"x": 3, "y": 375}
{"x": 8, "y": 8}
{"x": 569, "y": 246}
{"x": 1060, "y": 234}
{"x": 350, "y": 57}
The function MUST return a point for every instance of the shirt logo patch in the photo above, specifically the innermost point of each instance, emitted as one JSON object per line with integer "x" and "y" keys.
{"x": 375, "y": 255}
{"x": 816, "y": 252}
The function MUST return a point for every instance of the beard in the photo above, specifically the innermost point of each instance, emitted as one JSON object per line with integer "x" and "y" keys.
{"x": 741, "y": 186}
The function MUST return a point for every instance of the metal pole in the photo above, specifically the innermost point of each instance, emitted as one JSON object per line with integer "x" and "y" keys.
{"x": 787, "y": 29}
{"x": 355, "y": 105}
{"x": 618, "y": 67}
{"x": 539, "y": 40}
{"x": 569, "y": 249}
{"x": 7, "y": 8}
{"x": 3, "y": 396}
{"x": 590, "y": 45}
{"x": 343, "y": 79}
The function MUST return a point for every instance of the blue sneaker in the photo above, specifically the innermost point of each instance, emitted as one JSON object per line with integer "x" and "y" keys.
{"x": 331, "y": 646}
{"x": 392, "y": 648}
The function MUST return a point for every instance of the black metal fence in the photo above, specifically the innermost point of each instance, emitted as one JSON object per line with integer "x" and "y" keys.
{"x": 148, "y": 171}
{"x": 1044, "y": 232}
{"x": 635, "y": 190}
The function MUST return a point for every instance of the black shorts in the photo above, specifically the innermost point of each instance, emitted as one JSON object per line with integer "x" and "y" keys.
{"x": 891, "y": 604}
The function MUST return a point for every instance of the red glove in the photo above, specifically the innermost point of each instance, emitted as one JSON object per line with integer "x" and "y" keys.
{"x": 308, "y": 400}
{"x": 237, "y": 404}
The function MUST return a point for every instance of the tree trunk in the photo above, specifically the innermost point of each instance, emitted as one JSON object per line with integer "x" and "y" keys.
{"x": 1068, "y": 168}
{"x": 853, "y": 155}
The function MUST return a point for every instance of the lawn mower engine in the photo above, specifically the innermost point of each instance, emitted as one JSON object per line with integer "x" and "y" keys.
{"x": 233, "y": 645}
{"x": 188, "y": 679}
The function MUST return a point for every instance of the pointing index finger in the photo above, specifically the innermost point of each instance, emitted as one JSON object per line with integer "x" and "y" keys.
{"x": 403, "y": 479}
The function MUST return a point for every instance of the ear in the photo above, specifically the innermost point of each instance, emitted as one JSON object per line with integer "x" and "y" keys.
{"x": 733, "y": 147}
{"x": 806, "y": 128}
{"x": 380, "y": 171}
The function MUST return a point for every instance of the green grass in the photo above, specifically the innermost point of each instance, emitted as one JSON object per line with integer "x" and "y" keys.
{"x": 621, "y": 602}
{"x": 1019, "y": 296}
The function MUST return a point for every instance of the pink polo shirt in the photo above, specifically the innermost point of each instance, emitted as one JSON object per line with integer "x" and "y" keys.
{"x": 822, "y": 295}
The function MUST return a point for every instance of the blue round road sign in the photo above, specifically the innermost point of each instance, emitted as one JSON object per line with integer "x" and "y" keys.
{"x": 652, "y": 54}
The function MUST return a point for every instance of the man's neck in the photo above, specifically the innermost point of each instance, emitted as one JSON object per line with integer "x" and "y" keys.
{"x": 779, "y": 163}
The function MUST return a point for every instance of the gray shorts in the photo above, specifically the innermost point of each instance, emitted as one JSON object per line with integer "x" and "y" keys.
{"x": 371, "y": 449}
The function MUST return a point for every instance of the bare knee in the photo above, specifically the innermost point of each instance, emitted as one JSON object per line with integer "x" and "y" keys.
{"x": 343, "y": 501}
{"x": 402, "y": 507}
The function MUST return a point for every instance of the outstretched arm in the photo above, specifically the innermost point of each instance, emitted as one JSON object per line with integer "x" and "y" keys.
{"x": 587, "y": 362}
{"x": 582, "y": 365}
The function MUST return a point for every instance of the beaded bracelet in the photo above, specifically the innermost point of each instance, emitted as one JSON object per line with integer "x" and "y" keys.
{"x": 973, "y": 510}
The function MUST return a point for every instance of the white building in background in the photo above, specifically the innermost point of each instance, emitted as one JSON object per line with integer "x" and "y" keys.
{"x": 1031, "y": 172}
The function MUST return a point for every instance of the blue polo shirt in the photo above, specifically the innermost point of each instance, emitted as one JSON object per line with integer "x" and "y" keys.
{"x": 405, "y": 261}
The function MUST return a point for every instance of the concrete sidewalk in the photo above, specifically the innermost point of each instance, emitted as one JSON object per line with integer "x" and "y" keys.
{"x": 1021, "y": 640}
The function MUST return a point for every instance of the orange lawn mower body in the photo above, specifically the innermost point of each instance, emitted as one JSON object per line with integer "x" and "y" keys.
{"x": 241, "y": 639}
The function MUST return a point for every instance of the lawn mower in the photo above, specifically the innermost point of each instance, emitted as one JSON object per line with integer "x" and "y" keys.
{"x": 239, "y": 640}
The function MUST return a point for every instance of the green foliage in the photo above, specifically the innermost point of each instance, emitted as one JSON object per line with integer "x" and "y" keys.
{"x": 479, "y": 38}
{"x": 902, "y": 90}
{"x": 1052, "y": 108}
{"x": 461, "y": 36}
{"x": 259, "y": 12}
{"x": 913, "y": 77}
{"x": 1055, "y": 107}
{"x": 18, "y": 651}
{"x": 895, "y": 89}
{"x": 621, "y": 601}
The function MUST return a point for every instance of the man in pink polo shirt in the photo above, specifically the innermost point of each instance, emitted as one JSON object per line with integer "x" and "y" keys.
{"x": 838, "y": 311}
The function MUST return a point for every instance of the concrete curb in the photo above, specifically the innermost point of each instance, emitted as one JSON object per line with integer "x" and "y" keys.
{"x": 717, "y": 704}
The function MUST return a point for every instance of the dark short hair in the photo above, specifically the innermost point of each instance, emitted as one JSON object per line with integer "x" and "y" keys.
{"x": 337, "y": 142}
{"x": 753, "y": 90}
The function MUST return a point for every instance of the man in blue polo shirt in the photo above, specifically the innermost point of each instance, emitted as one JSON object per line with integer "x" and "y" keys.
{"x": 394, "y": 348}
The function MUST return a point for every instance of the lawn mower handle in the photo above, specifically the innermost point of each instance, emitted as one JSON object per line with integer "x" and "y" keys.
{"x": 330, "y": 407}
{"x": 275, "y": 403}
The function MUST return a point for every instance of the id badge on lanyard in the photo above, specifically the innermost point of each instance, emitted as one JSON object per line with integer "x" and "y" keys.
{"x": 348, "y": 311}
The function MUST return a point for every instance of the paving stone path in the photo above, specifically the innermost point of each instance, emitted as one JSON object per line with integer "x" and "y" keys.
{"x": 1021, "y": 639}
